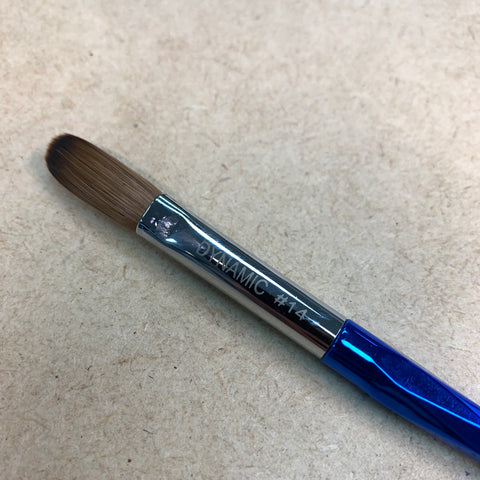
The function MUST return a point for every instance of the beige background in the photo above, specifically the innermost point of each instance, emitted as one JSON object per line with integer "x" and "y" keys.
{"x": 338, "y": 140}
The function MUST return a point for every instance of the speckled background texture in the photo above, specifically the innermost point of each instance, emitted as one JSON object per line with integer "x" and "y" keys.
{"x": 337, "y": 140}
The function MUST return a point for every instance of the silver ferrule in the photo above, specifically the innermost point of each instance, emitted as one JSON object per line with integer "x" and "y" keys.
{"x": 272, "y": 297}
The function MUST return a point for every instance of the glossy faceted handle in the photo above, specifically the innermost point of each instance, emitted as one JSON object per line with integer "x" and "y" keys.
{"x": 407, "y": 389}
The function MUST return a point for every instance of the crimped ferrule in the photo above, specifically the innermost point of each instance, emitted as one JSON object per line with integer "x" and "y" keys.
{"x": 275, "y": 299}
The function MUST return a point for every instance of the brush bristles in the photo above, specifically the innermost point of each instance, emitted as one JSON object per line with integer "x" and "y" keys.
{"x": 100, "y": 180}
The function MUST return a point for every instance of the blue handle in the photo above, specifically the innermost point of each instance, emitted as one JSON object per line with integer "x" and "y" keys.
{"x": 407, "y": 389}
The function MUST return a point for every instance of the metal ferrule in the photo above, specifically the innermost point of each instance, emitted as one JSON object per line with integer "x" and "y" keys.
{"x": 263, "y": 291}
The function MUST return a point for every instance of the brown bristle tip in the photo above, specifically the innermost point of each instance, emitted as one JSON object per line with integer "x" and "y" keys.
{"x": 100, "y": 179}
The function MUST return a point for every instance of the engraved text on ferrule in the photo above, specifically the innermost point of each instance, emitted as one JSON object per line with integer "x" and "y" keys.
{"x": 231, "y": 267}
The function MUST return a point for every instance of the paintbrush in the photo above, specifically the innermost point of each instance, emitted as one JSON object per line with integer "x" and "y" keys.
{"x": 385, "y": 374}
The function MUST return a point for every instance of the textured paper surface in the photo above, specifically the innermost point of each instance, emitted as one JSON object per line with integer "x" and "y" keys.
{"x": 339, "y": 141}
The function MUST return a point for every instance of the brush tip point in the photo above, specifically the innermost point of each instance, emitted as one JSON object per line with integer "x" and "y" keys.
{"x": 99, "y": 179}
{"x": 56, "y": 144}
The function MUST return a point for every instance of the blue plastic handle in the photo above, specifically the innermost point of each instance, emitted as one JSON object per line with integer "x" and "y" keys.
{"x": 407, "y": 389}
